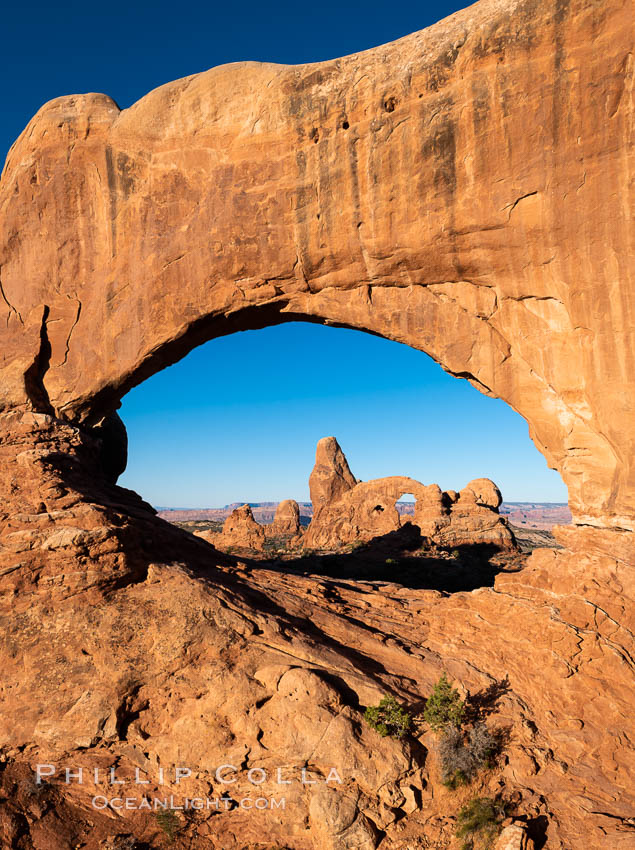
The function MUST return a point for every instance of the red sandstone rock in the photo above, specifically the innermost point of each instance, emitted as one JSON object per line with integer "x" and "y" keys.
{"x": 241, "y": 529}
{"x": 287, "y": 519}
{"x": 457, "y": 190}
{"x": 331, "y": 476}
{"x": 367, "y": 510}
{"x": 463, "y": 191}
{"x": 514, "y": 837}
{"x": 116, "y": 636}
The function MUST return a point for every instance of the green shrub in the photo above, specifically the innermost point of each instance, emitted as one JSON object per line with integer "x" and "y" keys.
{"x": 168, "y": 822}
{"x": 444, "y": 706}
{"x": 481, "y": 820}
{"x": 391, "y": 561}
{"x": 456, "y": 780}
{"x": 388, "y": 718}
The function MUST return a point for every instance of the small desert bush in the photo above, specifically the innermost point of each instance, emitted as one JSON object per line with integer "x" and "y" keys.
{"x": 444, "y": 706}
{"x": 480, "y": 821}
{"x": 168, "y": 822}
{"x": 461, "y": 759}
{"x": 388, "y": 718}
{"x": 482, "y": 744}
{"x": 457, "y": 764}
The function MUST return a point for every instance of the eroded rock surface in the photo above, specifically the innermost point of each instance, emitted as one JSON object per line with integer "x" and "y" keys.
{"x": 514, "y": 837}
{"x": 349, "y": 512}
{"x": 241, "y": 529}
{"x": 457, "y": 190}
{"x": 330, "y": 477}
{"x": 463, "y": 191}
{"x": 286, "y": 522}
{"x": 130, "y": 643}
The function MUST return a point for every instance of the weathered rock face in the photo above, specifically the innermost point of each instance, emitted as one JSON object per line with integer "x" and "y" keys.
{"x": 286, "y": 522}
{"x": 131, "y": 643}
{"x": 464, "y": 191}
{"x": 331, "y": 476}
{"x": 367, "y": 510}
{"x": 461, "y": 190}
{"x": 474, "y": 517}
{"x": 514, "y": 837}
{"x": 241, "y": 529}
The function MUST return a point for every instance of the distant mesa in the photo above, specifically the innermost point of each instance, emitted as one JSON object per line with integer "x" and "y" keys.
{"x": 346, "y": 511}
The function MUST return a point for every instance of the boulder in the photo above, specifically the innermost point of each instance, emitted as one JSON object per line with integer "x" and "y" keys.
{"x": 514, "y": 837}
{"x": 287, "y": 520}
{"x": 241, "y": 529}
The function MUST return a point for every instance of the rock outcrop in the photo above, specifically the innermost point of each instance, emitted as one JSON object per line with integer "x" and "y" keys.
{"x": 464, "y": 191}
{"x": 330, "y": 477}
{"x": 458, "y": 191}
{"x": 286, "y": 522}
{"x": 349, "y": 512}
{"x": 133, "y": 644}
{"x": 241, "y": 529}
{"x": 514, "y": 837}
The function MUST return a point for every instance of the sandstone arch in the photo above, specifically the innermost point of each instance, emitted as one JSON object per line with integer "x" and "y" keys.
{"x": 349, "y": 511}
{"x": 474, "y": 206}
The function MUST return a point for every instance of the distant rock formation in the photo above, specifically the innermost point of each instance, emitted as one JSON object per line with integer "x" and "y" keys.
{"x": 241, "y": 529}
{"x": 287, "y": 519}
{"x": 331, "y": 476}
{"x": 347, "y": 512}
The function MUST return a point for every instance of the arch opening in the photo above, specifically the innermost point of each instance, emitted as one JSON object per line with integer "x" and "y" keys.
{"x": 258, "y": 401}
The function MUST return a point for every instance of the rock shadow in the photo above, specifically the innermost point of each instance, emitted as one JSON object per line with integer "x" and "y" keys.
{"x": 402, "y": 557}
{"x": 483, "y": 703}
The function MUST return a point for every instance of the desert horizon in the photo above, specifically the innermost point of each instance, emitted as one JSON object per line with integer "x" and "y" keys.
{"x": 532, "y": 514}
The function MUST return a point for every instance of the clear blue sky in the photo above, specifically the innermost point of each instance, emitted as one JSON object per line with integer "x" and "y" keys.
{"x": 238, "y": 420}
{"x": 239, "y": 417}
